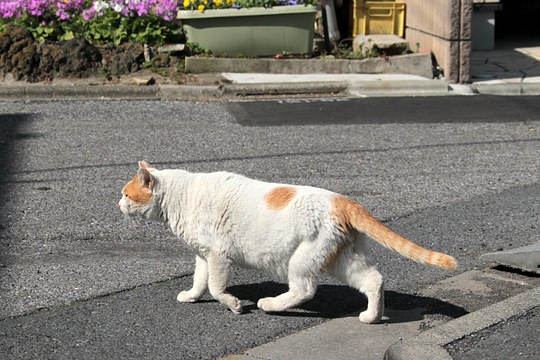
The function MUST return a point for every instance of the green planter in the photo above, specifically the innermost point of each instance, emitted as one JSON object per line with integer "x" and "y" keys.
{"x": 253, "y": 31}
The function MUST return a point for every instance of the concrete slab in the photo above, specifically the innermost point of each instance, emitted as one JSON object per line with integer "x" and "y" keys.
{"x": 412, "y": 64}
{"x": 525, "y": 258}
{"x": 355, "y": 85}
{"x": 341, "y": 338}
{"x": 264, "y": 78}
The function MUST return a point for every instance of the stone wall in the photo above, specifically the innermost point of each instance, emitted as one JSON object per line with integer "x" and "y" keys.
{"x": 444, "y": 28}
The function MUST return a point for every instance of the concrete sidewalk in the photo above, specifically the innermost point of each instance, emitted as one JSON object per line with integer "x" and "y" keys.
{"x": 400, "y": 335}
{"x": 511, "y": 69}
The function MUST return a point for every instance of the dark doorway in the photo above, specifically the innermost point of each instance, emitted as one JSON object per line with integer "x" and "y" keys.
{"x": 518, "y": 18}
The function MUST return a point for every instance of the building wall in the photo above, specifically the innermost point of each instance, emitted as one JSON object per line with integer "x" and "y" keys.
{"x": 444, "y": 28}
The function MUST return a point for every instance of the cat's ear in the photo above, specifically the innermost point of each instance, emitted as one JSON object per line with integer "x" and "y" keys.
{"x": 146, "y": 179}
{"x": 144, "y": 165}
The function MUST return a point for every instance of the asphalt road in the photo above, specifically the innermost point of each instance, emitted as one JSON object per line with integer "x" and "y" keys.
{"x": 516, "y": 338}
{"x": 455, "y": 174}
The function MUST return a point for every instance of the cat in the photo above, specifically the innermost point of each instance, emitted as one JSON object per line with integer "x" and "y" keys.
{"x": 295, "y": 232}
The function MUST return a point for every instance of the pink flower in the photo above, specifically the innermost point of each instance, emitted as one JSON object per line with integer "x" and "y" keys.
{"x": 9, "y": 9}
{"x": 89, "y": 14}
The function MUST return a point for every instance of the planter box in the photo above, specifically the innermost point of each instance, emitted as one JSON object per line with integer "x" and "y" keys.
{"x": 253, "y": 31}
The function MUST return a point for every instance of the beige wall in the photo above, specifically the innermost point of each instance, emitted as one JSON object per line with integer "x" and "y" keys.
{"x": 444, "y": 28}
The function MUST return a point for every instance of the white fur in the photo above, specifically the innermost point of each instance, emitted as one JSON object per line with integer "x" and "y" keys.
{"x": 224, "y": 217}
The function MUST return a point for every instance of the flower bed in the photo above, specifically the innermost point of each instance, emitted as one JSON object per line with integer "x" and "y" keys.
{"x": 98, "y": 21}
{"x": 96, "y": 31}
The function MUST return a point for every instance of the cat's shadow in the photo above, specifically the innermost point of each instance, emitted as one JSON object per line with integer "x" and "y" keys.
{"x": 334, "y": 301}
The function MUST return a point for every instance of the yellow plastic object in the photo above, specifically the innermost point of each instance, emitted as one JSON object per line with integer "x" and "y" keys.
{"x": 378, "y": 17}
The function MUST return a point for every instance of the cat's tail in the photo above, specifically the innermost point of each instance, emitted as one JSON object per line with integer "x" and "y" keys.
{"x": 351, "y": 214}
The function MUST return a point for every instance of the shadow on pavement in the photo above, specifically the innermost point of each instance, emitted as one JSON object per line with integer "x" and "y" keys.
{"x": 333, "y": 301}
{"x": 12, "y": 130}
{"x": 376, "y": 111}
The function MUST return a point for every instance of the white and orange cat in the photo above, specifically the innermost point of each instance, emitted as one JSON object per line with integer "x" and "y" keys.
{"x": 296, "y": 232}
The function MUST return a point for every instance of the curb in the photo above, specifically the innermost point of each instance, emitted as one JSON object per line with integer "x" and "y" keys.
{"x": 76, "y": 92}
{"x": 377, "y": 87}
{"x": 399, "y": 88}
{"x": 188, "y": 92}
{"x": 507, "y": 88}
{"x": 430, "y": 344}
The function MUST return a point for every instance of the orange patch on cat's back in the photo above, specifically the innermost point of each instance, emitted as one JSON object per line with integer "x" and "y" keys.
{"x": 279, "y": 197}
{"x": 136, "y": 191}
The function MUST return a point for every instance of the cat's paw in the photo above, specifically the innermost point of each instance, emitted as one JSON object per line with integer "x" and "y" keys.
{"x": 237, "y": 307}
{"x": 266, "y": 304}
{"x": 186, "y": 296}
{"x": 370, "y": 318}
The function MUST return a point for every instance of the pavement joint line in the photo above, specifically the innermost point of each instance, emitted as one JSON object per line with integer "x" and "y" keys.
{"x": 429, "y": 344}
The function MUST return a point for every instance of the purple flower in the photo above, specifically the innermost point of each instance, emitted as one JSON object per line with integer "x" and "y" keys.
{"x": 66, "y": 9}
{"x": 89, "y": 14}
{"x": 9, "y": 9}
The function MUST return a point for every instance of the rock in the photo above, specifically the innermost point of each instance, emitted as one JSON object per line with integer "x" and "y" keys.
{"x": 18, "y": 54}
{"x": 24, "y": 61}
{"x": 384, "y": 44}
{"x": 125, "y": 59}
{"x": 78, "y": 58}
{"x": 143, "y": 81}
{"x": 50, "y": 57}
{"x": 169, "y": 48}
{"x": 21, "y": 57}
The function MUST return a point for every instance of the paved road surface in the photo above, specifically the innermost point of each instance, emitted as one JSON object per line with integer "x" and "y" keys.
{"x": 107, "y": 287}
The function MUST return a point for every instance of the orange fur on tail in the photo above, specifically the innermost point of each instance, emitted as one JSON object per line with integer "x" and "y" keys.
{"x": 351, "y": 214}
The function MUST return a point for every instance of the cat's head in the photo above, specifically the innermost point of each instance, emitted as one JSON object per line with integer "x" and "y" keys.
{"x": 138, "y": 197}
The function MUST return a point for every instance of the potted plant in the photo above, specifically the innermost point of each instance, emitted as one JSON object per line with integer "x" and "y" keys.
{"x": 250, "y": 27}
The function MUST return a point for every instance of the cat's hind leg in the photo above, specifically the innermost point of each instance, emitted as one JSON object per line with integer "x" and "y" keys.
{"x": 219, "y": 273}
{"x": 302, "y": 283}
{"x": 371, "y": 284}
{"x": 200, "y": 282}
{"x": 355, "y": 269}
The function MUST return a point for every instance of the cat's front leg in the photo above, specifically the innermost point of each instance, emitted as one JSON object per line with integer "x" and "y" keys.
{"x": 200, "y": 282}
{"x": 219, "y": 272}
